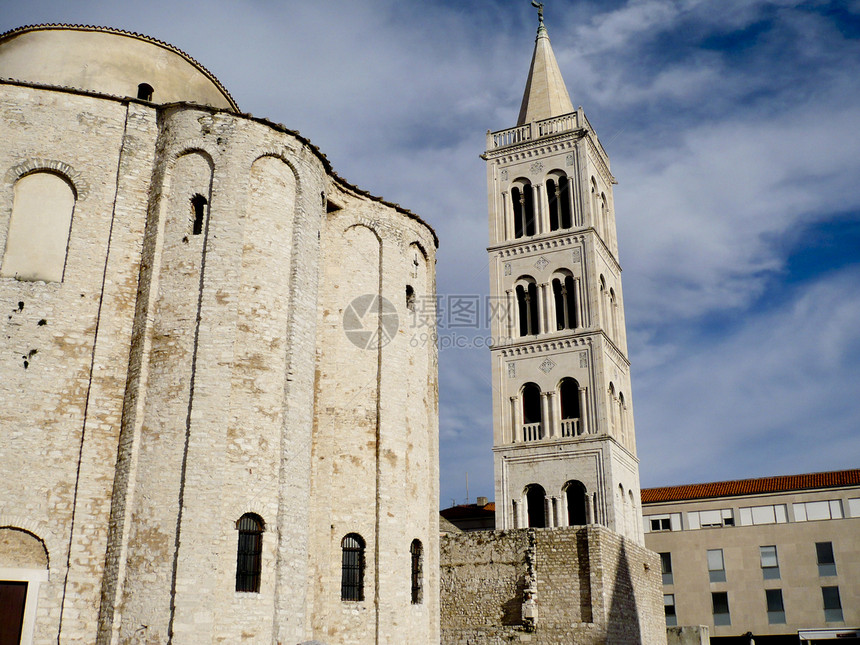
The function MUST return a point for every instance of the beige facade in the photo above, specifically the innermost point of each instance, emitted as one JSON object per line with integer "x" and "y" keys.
{"x": 769, "y": 556}
{"x": 563, "y": 435}
{"x": 208, "y": 393}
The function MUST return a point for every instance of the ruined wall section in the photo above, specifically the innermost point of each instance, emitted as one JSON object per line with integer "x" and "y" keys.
{"x": 375, "y": 447}
{"x": 587, "y": 585}
{"x": 66, "y": 343}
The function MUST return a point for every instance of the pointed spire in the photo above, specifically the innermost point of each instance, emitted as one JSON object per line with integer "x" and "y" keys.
{"x": 546, "y": 95}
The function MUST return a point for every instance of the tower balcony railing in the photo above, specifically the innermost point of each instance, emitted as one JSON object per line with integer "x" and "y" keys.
{"x": 533, "y": 130}
{"x": 569, "y": 427}
{"x": 532, "y": 432}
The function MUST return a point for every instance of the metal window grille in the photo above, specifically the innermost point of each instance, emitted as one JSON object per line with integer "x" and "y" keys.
{"x": 417, "y": 552}
{"x": 249, "y": 553}
{"x": 352, "y": 568}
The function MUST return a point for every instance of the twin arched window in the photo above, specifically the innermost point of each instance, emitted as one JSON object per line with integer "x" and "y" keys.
{"x": 524, "y": 210}
{"x": 249, "y": 553}
{"x": 527, "y": 308}
{"x": 575, "y": 498}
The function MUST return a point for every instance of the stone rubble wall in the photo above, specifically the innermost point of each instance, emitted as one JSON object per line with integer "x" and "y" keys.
{"x": 590, "y": 586}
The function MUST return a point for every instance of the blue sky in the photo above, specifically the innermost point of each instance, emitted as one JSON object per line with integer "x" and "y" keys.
{"x": 734, "y": 132}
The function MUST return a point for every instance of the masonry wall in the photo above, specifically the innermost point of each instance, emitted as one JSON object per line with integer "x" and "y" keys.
{"x": 66, "y": 344}
{"x": 175, "y": 379}
{"x": 375, "y": 452}
{"x": 589, "y": 585}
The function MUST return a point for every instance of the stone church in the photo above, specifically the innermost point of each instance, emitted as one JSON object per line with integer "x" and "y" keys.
{"x": 214, "y": 428}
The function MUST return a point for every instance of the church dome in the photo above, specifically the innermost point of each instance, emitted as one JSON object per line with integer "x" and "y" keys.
{"x": 109, "y": 61}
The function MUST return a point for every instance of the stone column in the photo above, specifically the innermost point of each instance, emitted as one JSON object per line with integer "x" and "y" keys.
{"x": 537, "y": 202}
{"x": 565, "y": 512}
{"x": 583, "y": 411}
{"x": 547, "y": 506}
{"x": 575, "y": 215}
{"x": 550, "y": 308}
{"x": 513, "y": 313}
{"x": 541, "y": 309}
{"x": 507, "y": 222}
{"x": 555, "y": 413}
{"x": 544, "y": 414}
{"x": 516, "y": 419}
{"x": 577, "y": 303}
{"x": 551, "y": 425}
{"x": 515, "y": 514}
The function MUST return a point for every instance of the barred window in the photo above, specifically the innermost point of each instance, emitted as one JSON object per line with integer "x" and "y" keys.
{"x": 249, "y": 553}
{"x": 417, "y": 552}
{"x": 352, "y": 568}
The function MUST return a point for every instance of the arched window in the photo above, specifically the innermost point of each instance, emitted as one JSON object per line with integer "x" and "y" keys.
{"x": 198, "y": 213}
{"x": 577, "y": 498}
{"x": 38, "y": 234}
{"x": 352, "y": 567}
{"x": 249, "y": 553}
{"x": 563, "y": 288}
{"x": 536, "y": 502}
{"x": 524, "y": 215}
{"x": 527, "y": 308}
{"x": 621, "y": 421}
{"x": 144, "y": 91}
{"x": 417, "y": 553}
{"x": 610, "y": 409}
{"x": 569, "y": 399}
{"x": 532, "y": 420}
{"x": 410, "y": 298}
{"x": 558, "y": 199}
{"x": 613, "y": 314}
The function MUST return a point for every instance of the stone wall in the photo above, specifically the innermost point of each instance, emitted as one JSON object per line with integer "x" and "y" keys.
{"x": 174, "y": 379}
{"x": 550, "y": 586}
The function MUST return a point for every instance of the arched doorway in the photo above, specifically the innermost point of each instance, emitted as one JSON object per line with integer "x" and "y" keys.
{"x": 535, "y": 501}
{"x": 577, "y": 514}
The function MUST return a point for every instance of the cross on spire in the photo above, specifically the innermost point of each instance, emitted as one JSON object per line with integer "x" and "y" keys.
{"x": 539, "y": 7}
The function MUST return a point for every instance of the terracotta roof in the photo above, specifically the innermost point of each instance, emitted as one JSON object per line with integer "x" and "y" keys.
{"x": 781, "y": 483}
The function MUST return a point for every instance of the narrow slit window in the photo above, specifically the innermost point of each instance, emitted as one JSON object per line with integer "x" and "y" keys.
{"x": 249, "y": 553}
{"x": 352, "y": 568}
{"x": 198, "y": 213}
{"x": 417, "y": 553}
{"x": 410, "y": 298}
{"x": 144, "y": 92}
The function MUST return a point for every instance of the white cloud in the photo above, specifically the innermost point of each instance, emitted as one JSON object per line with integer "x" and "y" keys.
{"x": 776, "y": 396}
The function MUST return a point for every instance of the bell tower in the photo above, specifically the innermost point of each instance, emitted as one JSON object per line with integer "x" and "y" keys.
{"x": 563, "y": 437}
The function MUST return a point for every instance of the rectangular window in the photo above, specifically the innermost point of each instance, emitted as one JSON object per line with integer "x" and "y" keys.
{"x": 666, "y": 568}
{"x": 669, "y": 606}
{"x": 769, "y": 563}
{"x": 771, "y": 514}
{"x": 822, "y": 510}
{"x": 660, "y": 524}
{"x": 854, "y": 506}
{"x": 710, "y": 519}
{"x": 720, "y": 600}
{"x": 832, "y": 604}
{"x": 824, "y": 555}
{"x": 775, "y": 608}
{"x": 716, "y": 565}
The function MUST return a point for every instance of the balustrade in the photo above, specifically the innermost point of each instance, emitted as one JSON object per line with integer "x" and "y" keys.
{"x": 569, "y": 427}
{"x": 532, "y": 432}
{"x": 526, "y": 132}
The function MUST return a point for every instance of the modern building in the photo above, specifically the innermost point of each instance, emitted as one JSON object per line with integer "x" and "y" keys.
{"x": 769, "y": 557}
{"x": 566, "y": 562}
{"x": 214, "y": 427}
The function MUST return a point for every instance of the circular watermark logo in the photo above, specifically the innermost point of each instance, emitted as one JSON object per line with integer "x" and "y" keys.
{"x": 370, "y": 321}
